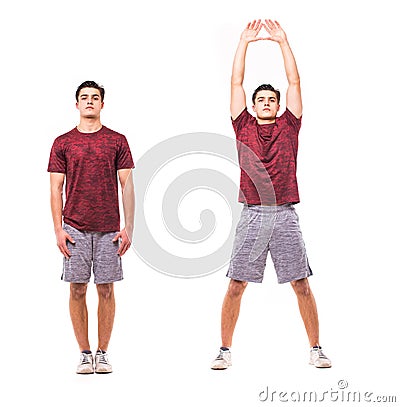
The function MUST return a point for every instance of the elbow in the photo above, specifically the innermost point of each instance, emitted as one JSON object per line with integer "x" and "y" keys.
{"x": 56, "y": 190}
{"x": 236, "y": 81}
{"x": 294, "y": 81}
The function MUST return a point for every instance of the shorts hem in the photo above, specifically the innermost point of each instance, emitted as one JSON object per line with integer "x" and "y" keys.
{"x": 94, "y": 282}
{"x": 244, "y": 279}
{"x": 294, "y": 279}
{"x": 108, "y": 282}
{"x": 76, "y": 282}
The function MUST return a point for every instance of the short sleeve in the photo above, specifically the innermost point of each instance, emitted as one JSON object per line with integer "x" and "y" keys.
{"x": 57, "y": 161}
{"x": 292, "y": 120}
{"x": 124, "y": 156}
{"x": 241, "y": 121}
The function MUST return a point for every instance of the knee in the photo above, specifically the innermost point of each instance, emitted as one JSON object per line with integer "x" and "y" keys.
{"x": 236, "y": 288}
{"x": 105, "y": 291}
{"x": 301, "y": 287}
{"x": 78, "y": 291}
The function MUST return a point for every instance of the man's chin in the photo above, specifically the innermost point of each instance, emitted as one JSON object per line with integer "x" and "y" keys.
{"x": 266, "y": 117}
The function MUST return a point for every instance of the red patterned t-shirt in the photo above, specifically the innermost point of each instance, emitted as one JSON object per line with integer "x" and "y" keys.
{"x": 275, "y": 148}
{"x": 90, "y": 162}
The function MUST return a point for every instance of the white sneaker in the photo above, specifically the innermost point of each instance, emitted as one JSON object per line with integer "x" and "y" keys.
{"x": 222, "y": 361}
{"x": 318, "y": 359}
{"x": 102, "y": 362}
{"x": 86, "y": 364}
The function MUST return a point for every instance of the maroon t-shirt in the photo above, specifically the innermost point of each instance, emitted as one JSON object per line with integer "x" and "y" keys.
{"x": 90, "y": 162}
{"x": 275, "y": 145}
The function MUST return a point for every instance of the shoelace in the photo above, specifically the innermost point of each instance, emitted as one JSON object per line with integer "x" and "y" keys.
{"x": 85, "y": 358}
{"x": 102, "y": 357}
{"x": 321, "y": 354}
{"x": 221, "y": 355}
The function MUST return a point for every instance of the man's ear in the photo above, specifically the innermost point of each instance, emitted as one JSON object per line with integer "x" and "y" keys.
{"x": 254, "y": 108}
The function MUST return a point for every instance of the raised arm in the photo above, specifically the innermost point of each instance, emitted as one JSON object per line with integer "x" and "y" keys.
{"x": 293, "y": 94}
{"x": 238, "y": 96}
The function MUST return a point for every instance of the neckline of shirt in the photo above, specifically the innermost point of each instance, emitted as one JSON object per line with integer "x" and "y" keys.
{"x": 89, "y": 132}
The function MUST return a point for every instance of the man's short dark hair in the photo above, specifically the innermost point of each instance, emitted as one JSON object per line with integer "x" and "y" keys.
{"x": 266, "y": 87}
{"x": 90, "y": 84}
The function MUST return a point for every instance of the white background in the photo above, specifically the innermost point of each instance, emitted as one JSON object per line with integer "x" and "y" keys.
{"x": 166, "y": 69}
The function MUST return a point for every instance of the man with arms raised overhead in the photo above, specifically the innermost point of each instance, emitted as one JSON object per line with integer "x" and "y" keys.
{"x": 273, "y": 220}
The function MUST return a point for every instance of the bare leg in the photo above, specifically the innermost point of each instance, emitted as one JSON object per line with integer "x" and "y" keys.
{"x": 106, "y": 313}
{"x": 308, "y": 309}
{"x": 79, "y": 314}
{"x": 230, "y": 310}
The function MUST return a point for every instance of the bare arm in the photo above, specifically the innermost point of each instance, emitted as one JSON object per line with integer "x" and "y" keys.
{"x": 56, "y": 203}
{"x": 128, "y": 202}
{"x": 293, "y": 94}
{"x": 238, "y": 96}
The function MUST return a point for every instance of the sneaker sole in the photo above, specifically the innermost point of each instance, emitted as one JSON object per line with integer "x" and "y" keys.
{"x": 102, "y": 372}
{"x": 321, "y": 367}
{"x": 221, "y": 368}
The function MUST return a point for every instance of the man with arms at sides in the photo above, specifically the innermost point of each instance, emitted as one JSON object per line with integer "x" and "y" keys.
{"x": 89, "y": 159}
{"x": 274, "y": 140}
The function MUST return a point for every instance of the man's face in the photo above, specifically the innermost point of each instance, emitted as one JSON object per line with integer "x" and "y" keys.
{"x": 89, "y": 103}
{"x": 266, "y": 105}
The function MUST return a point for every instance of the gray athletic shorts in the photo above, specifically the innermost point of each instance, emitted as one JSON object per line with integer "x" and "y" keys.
{"x": 263, "y": 229}
{"x": 92, "y": 251}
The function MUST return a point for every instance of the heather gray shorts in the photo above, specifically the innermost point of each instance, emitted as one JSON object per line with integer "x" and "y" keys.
{"x": 263, "y": 229}
{"x": 92, "y": 251}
